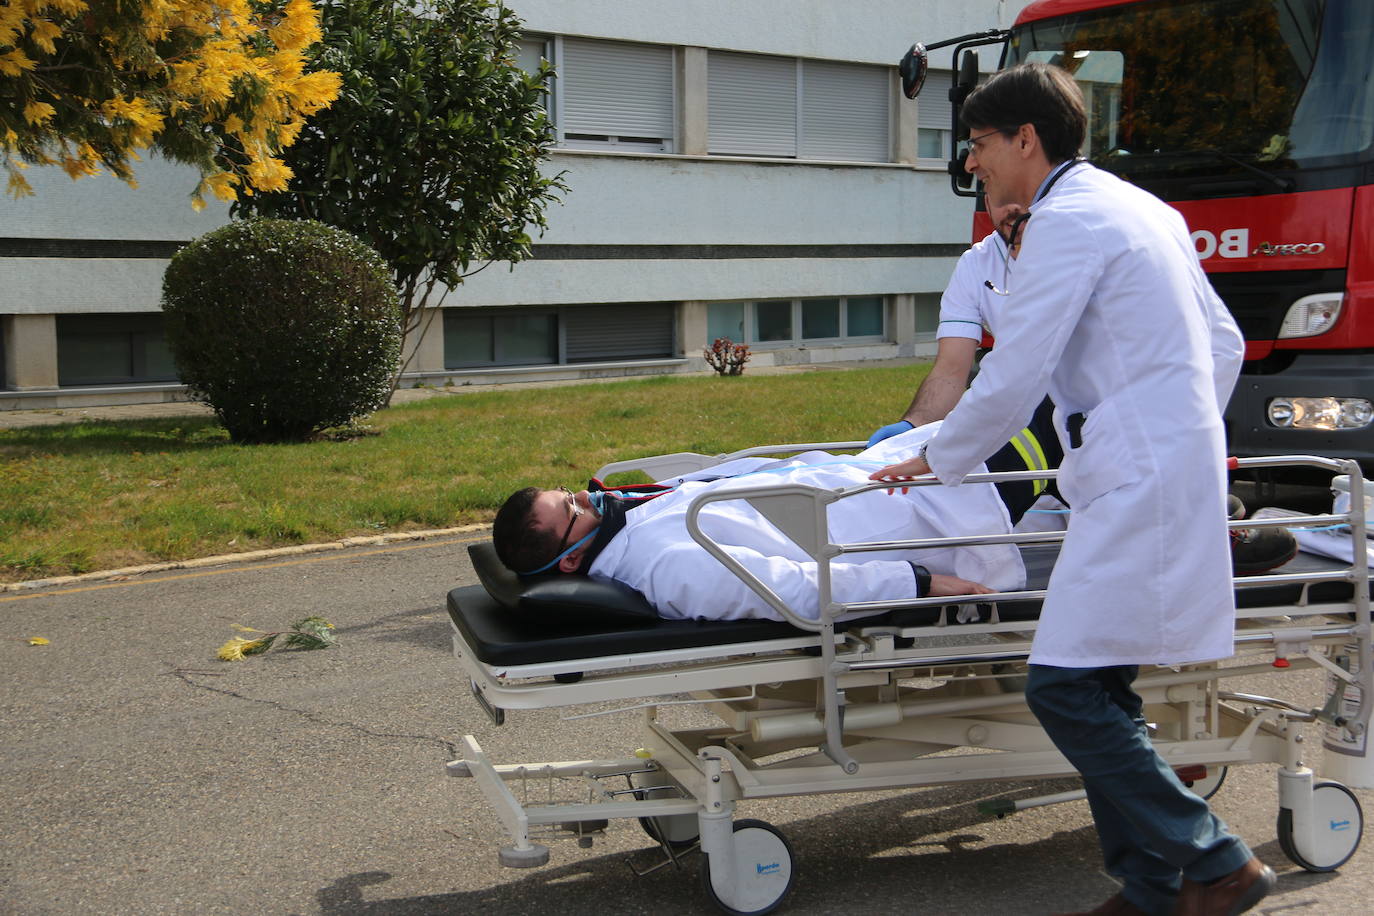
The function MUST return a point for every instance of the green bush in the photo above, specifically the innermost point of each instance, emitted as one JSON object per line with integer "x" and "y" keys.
{"x": 284, "y": 327}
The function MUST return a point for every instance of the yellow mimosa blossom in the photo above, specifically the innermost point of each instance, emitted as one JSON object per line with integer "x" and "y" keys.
{"x": 232, "y": 651}
{"x": 238, "y": 67}
{"x": 236, "y": 649}
{"x": 38, "y": 112}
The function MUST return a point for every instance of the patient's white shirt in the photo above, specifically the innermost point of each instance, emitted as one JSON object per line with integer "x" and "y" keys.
{"x": 655, "y": 554}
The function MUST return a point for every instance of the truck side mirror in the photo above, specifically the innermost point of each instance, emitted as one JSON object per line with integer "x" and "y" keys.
{"x": 963, "y": 85}
{"x": 960, "y": 179}
{"x": 913, "y": 70}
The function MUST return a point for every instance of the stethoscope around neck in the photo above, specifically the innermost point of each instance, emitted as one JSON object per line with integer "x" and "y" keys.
{"x": 1020, "y": 222}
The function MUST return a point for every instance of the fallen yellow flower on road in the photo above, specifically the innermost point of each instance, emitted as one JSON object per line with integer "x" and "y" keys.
{"x": 37, "y": 641}
{"x": 309, "y": 633}
{"x": 235, "y": 649}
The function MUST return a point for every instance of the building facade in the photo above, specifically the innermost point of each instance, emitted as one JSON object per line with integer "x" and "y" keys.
{"x": 742, "y": 170}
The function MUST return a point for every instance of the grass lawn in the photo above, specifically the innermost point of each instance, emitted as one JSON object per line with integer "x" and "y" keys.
{"x": 100, "y": 495}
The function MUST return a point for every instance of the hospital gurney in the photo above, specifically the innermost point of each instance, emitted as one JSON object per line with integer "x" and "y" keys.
{"x": 812, "y": 707}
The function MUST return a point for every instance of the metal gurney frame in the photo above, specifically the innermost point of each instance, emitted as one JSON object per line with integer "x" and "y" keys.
{"x": 839, "y": 699}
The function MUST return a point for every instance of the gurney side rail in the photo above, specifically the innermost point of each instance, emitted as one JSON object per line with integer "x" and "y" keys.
{"x": 800, "y": 513}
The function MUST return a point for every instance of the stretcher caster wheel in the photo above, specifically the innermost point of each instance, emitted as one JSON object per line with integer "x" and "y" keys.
{"x": 1338, "y": 824}
{"x": 1206, "y": 786}
{"x": 514, "y": 857}
{"x": 763, "y": 870}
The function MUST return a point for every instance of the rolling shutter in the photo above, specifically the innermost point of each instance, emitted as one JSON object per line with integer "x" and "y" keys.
{"x": 529, "y": 52}
{"x": 845, "y": 111}
{"x": 752, "y": 104}
{"x": 635, "y": 330}
{"x": 932, "y": 105}
{"x": 614, "y": 89}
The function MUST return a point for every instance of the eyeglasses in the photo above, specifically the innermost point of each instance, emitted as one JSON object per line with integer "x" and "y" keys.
{"x": 1012, "y": 232}
{"x": 974, "y": 141}
{"x": 563, "y": 550}
{"x": 576, "y": 513}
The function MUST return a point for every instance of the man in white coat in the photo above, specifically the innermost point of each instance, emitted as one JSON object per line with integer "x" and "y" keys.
{"x": 642, "y": 540}
{"x": 1108, "y": 312}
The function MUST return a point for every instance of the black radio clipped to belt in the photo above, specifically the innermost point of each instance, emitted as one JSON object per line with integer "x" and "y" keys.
{"x": 1074, "y": 424}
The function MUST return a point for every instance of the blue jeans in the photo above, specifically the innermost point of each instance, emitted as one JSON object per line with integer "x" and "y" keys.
{"x": 1153, "y": 831}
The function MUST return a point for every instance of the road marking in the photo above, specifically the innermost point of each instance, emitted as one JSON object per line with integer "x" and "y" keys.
{"x": 318, "y": 558}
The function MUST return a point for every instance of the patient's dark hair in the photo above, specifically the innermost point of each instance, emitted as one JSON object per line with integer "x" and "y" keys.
{"x": 1031, "y": 93}
{"x": 520, "y": 544}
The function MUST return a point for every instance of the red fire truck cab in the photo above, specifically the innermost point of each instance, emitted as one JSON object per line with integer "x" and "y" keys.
{"x": 1255, "y": 118}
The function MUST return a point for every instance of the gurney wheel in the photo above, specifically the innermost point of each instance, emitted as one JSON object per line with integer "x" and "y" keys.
{"x": 763, "y": 870}
{"x": 1339, "y": 826}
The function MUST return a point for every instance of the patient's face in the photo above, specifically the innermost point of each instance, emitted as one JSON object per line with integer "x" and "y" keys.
{"x": 553, "y": 511}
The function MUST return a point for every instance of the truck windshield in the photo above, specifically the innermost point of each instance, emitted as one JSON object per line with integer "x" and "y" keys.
{"x": 1207, "y": 87}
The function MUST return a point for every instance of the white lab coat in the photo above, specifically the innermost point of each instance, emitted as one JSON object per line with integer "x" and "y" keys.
{"x": 655, "y": 554}
{"x": 1110, "y": 314}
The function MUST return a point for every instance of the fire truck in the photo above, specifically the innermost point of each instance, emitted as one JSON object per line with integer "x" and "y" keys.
{"x": 1255, "y": 119}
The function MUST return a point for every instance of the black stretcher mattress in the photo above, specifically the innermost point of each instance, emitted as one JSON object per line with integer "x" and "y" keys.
{"x": 518, "y": 633}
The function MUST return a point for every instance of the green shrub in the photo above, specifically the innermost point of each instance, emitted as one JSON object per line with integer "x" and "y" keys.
{"x": 284, "y": 327}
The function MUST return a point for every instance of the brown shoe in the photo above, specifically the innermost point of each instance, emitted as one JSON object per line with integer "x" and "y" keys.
{"x": 1229, "y": 895}
{"x": 1116, "y": 906}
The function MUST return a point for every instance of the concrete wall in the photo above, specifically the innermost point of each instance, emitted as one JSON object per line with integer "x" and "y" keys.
{"x": 867, "y": 31}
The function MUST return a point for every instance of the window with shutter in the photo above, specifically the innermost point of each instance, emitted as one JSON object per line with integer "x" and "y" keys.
{"x": 614, "y": 93}
{"x": 528, "y": 336}
{"x": 112, "y": 349}
{"x": 751, "y": 104}
{"x": 633, "y": 330}
{"x": 933, "y": 116}
{"x": 530, "y": 52}
{"x": 845, "y": 111}
{"x": 501, "y": 337}
{"x": 798, "y": 322}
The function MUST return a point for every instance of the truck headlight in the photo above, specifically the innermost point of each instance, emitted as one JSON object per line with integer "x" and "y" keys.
{"x": 1311, "y": 315}
{"x": 1320, "y": 413}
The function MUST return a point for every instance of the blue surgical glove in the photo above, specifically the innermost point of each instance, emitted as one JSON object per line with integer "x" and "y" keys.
{"x": 888, "y": 431}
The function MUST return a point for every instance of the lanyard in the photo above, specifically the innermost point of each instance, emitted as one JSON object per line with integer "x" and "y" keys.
{"x": 1045, "y": 188}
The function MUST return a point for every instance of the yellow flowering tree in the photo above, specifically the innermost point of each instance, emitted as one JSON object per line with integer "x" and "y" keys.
{"x": 218, "y": 84}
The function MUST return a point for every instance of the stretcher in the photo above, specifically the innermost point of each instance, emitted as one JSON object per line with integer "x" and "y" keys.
{"x": 924, "y": 692}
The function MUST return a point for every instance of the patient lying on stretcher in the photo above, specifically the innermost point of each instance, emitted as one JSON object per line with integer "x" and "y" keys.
{"x": 638, "y": 535}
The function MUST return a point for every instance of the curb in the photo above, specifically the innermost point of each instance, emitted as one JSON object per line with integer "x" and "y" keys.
{"x": 245, "y": 557}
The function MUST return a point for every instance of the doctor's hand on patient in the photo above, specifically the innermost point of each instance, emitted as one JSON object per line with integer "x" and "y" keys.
{"x": 902, "y": 470}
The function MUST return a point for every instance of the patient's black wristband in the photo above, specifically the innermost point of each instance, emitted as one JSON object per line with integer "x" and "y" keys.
{"x": 922, "y": 580}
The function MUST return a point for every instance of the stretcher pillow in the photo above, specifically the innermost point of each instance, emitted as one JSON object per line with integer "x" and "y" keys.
{"x": 562, "y": 598}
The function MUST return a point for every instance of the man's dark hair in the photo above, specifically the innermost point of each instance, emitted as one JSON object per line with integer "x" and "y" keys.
{"x": 1031, "y": 93}
{"x": 520, "y": 544}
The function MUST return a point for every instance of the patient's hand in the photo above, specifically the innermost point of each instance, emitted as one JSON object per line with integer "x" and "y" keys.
{"x": 944, "y": 586}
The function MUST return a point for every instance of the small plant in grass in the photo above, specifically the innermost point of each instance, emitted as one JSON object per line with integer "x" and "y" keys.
{"x": 727, "y": 357}
{"x": 284, "y": 327}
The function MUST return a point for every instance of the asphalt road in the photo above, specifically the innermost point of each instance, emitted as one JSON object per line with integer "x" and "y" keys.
{"x": 140, "y": 775}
